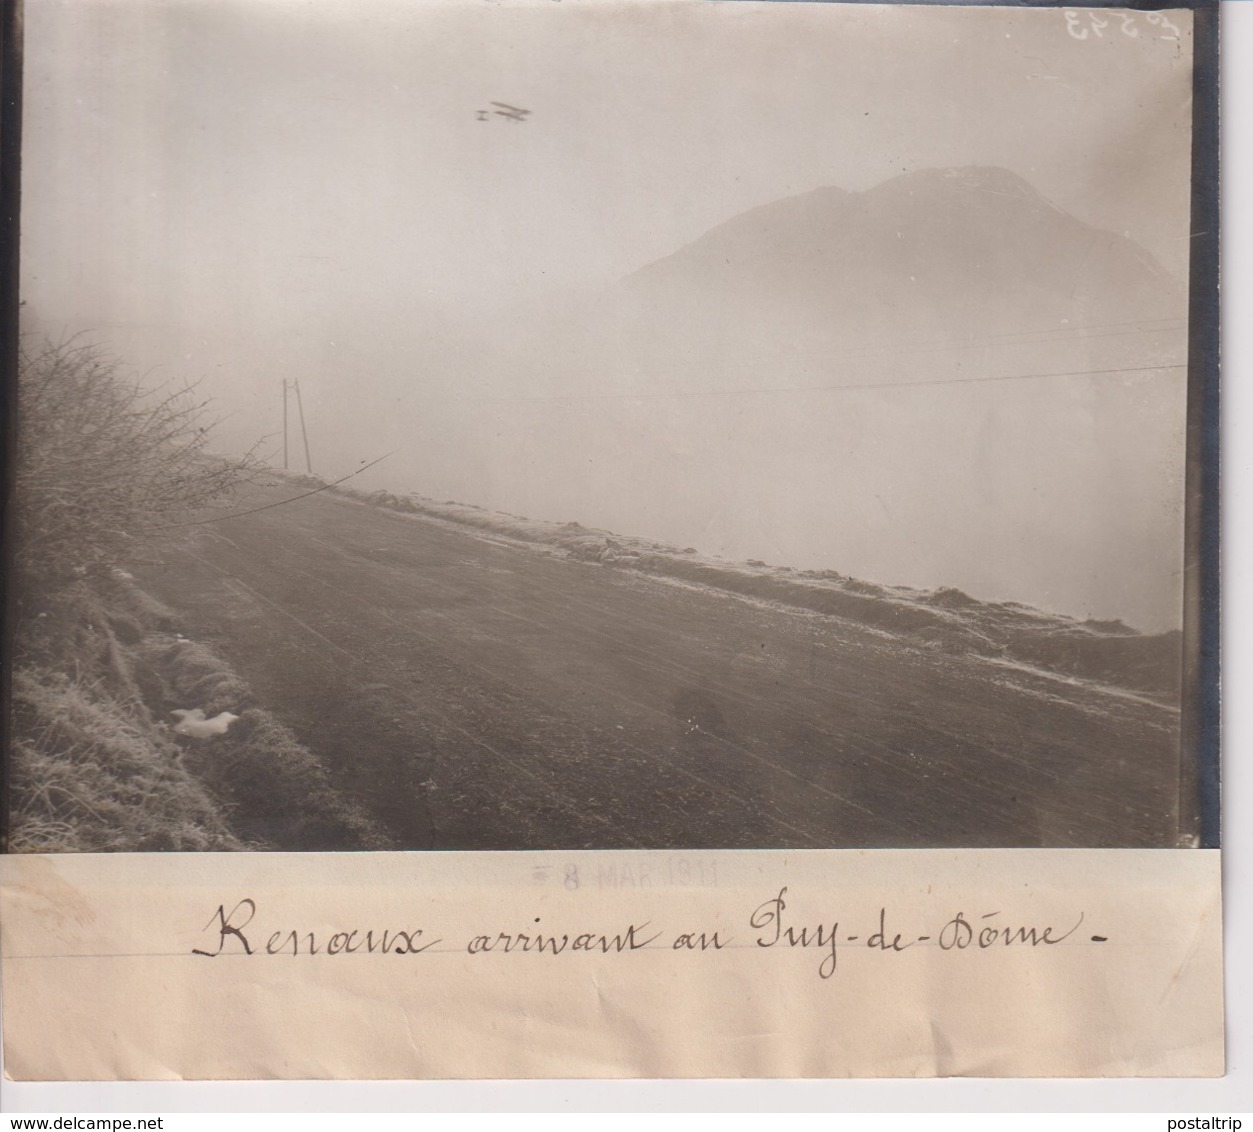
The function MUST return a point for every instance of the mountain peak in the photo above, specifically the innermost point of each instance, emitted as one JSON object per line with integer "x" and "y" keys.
{"x": 976, "y": 177}
{"x": 967, "y": 179}
{"x": 979, "y": 236}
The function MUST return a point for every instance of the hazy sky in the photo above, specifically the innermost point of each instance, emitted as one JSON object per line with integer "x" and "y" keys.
{"x": 178, "y": 134}
{"x": 247, "y": 190}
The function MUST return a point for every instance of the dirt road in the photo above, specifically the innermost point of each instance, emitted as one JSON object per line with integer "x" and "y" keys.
{"x": 478, "y": 693}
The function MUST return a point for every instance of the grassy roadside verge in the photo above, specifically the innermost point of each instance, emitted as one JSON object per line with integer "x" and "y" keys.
{"x": 96, "y": 767}
{"x": 105, "y": 466}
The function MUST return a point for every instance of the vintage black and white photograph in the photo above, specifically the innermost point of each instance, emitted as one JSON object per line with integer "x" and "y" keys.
{"x": 601, "y": 424}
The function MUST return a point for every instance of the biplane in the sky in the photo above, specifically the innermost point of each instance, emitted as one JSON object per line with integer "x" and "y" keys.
{"x": 514, "y": 113}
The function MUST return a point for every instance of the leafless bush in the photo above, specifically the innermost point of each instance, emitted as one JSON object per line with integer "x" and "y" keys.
{"x": 103, "y": 463}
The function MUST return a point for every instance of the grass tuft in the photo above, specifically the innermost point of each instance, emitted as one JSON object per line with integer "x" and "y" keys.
{"x": 97, "y": 768}
{"x": 91, "y": 775}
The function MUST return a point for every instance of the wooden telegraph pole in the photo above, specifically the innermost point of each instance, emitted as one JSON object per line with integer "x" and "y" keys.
{"x": 301, "y": 409}
{"x": 304, "y": 433}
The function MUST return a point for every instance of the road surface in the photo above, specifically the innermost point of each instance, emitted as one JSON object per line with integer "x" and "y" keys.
{"x": 477, "y": 693}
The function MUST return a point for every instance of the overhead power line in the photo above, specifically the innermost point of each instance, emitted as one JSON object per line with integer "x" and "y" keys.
{"x": 268, "y": 506}
{"x": 850, "y": 386}
{"x": 1014, "y": 338}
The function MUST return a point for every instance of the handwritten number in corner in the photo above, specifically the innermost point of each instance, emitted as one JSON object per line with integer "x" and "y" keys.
{"x": 1087, "y": 25}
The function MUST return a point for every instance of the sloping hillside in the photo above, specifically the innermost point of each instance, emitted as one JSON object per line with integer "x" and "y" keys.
{"x": 945, "y": 619}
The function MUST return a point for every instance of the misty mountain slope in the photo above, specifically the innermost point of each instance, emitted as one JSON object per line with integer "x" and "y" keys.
{"x": 945, "y": 620}
{"x": 943, "y": 380}
{"x": 956, "y": 252}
